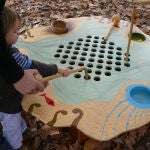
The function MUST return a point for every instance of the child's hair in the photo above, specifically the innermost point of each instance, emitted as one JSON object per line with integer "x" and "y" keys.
{"x": 8, "y": 18}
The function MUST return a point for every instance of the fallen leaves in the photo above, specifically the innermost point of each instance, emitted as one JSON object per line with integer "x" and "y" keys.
{"x": 39, "y": 12}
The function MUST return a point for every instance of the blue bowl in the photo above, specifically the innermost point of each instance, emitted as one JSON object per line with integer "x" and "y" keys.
{"x": 139, "y": 95}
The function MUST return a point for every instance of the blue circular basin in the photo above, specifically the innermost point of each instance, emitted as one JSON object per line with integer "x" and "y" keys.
{"x": 139, "y": 95}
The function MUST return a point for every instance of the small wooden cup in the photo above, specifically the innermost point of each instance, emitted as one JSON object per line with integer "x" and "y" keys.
{"x": 59, "y": 27}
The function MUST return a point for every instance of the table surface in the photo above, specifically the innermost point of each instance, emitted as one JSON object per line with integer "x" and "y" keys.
{"x": 99, "y": 107}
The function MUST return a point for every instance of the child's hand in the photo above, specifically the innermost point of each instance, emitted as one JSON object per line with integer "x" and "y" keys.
{"x": 65, "y": 71}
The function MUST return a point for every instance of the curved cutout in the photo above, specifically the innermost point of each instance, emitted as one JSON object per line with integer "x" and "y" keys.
{"x": 30, "y": 110}
{"x": 76, "y": 121}
{"x": 53, "y": 121}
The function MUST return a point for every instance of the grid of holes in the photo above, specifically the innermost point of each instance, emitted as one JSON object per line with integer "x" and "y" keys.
{"x": 99, "y": 52}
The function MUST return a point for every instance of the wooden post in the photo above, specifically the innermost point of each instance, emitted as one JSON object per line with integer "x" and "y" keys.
{"x": 130, "y": 34}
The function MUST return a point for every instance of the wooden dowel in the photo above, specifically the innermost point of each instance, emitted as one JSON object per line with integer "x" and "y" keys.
{"x": 141, "y": 2}
{"x": 86, "y": 74}
{"x": 130, "y": 34}
{"x": 115, "y": 19}
{"x": 45, "y": 79}
{"x": 110, "y": 30}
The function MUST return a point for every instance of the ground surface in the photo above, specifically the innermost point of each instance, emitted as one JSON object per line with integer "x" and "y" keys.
{"x": 43, "y": 12}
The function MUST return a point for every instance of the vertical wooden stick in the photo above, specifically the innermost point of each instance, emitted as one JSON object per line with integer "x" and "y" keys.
{"x": 86, "y": 74}
{"x": 130, "y": 34}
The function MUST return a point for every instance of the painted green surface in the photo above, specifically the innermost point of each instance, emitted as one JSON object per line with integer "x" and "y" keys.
{"x": 138, "y": 37}
{"x": 72, "y": 90}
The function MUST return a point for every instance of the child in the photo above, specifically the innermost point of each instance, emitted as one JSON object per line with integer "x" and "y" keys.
{"x": 23, "y": 80}
{"x": 10, "y": 99}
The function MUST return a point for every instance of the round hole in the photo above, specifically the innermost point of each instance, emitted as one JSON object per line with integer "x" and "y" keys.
{"x": 71, "y": 62}
{"x": 63, "y": 61}
{"x": 111, "y": 47}
{"x": 83, "y": 53}
{"x": 77, "y": 48}
{"x": 103, "y": 42}
{"x": 89, "y": 77}
{"x": 100, "y": 61}
{"x": 90, "y": 65}
{"x": 96, "y": 78}
{"x": 96, "y": 37}
{"x": 101, "y": 51}
{"x": 85, "y": 49}
{"x": 101, "y": 56}
{"x": 76, "y": 52}
{"x": 80, "y": 64}
{"x": 109, "y": 62}
{"x": 70, "y": 67}
{"x": 99, "y": 66}
{"x": 67, "y": 51}
{"x": 118, "y": 63}
{"x": 89, "y": 70}
{"x": 73, "y": 57}
{"x": 86, "y": 44}
{"x": 94, "y": 45}
{"x": 80, "y": 39}
{"x": 95, "y": 41}
{"x": 107, "y": 73}
{"x": 119, "y": 48}
{"x": 56, "y": 55}
{"x": 79, "y": 44}
{"x": 108, "y": 68}
{"x": 89, "y": 36}
{"x": 98, "y": 72}
{"x": 88, "y": 40}
{"x": 77, "y": 75}
{"x": 59, "y": 50}
{"x": 69, "y": 47}
{"x": 82, "y": 58}
{"x": 128, "y": 54}
{"x": 91, "y": 60}
{"x": 71, "y": 43}
{"x": 127, "y": 64}
{"x": 118, "y": 53}
{"x": 109, "y": 57}
{"x": 127, "y": 60}
{"x": 92, "y": 54}
{"x": 102, "y": 46}
{"x": 118, "y": 58}
{"x": 111, "y": 43}
{"x": 110, "y": 52}
{"x": 61, "y": 46}
{"x": 117, "y": 68}
{"x": 93, "y": 50}
{"x": 65, "y": 56}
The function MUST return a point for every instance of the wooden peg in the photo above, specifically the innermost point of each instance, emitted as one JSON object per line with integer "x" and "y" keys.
{"x": 130, "y": 33}
{"x": 115, "y": 19}
{"x": 45, "y": 79}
